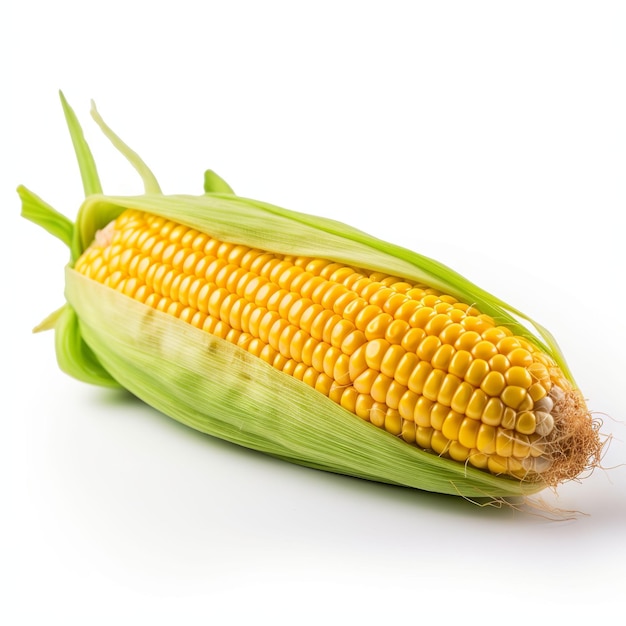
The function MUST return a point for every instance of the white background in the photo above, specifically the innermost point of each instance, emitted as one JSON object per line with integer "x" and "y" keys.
{"x": 490, "y": 135}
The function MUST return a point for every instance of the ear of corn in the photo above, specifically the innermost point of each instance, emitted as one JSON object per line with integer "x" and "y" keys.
{"x": 206, "y": 381}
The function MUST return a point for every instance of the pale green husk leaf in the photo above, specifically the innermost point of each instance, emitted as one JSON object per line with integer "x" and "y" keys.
{"x": 219, "y": 389}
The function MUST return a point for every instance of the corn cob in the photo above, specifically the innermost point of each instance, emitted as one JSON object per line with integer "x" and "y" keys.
{"x": 306, "y": 339}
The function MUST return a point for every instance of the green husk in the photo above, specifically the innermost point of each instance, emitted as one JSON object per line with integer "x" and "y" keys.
{"x": 106, "y": 338}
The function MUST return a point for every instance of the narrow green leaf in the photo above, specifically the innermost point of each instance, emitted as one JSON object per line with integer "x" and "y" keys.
{"x": 213, "y": 183}
{"x": 86, "y": 163}
{"x": 150, "y": 182}
{"x": 74, "y": 356}
{"x": 44, "y": 215}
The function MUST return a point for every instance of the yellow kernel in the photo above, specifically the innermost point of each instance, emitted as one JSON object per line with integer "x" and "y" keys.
{"x": 406, "y": 405}
{"x": 494, "y": 335}
{"x": 513, "y": 396}
{"x": 499, "y": 363}
{"x": 433, "y": 384}
{"x": 341, "y": 303}
{"x": 436, "y": 325}
{"x": 316, "y": 266}
{"x": 497, "y": 464}
{"x": 408, "y": 431}
{"x": 406, "y": 310}
{"x": 286, "y": 340}
{"x": 275, "y": 334}
{"x": 451, "y": 333}
{"x": 405, "y": 367}
{"x": 349, "y": 398}
{"x": 468, "y": 432}
{"x": 438, "y": 414}
{"x": 339, "y": 274}
{"x": 315, "y": 288}
{"x": 478, "y": 459}
{"x": 477, "y": 404}
{"x": 508, "y": 344}
{"x": 318, "y": 327}
{"x": 520, "y": 357}
{"x": 370, "y": 290}
{"x": 130, "y": 287}
{"x": 442, "y": 357}
{"x": 377, "y": 295}
{"x": 521, "y": 446}
{"x": 486, "y": 439}
{"x": 423, "y": 408}
{"x": 365, "y": 316}
{"x": 308, "y": 347}
{"x": 336, "y": 392}
{"x": 428, "y": 347}
{"x": 492, "y": 414}
{"x": 509, "y": 416}
{"x": 377, "y": 414}
{"x": 458, "y": 452}
{"x": 467, "y": 340}
{"x": 378, "y": 326}
{"x": 358, "y": 362}
{"x": 539, "y": 373}
{"x": 484, "y": 350}
{"x": 363, "y": 383}
{"x": 396, "y": 330}
{"x": 331, "y": 295}
{"x": 341, "y": 330}
{"x": 284, "y": 274}
{"x": 476, "y": 372}
{"x": 451, "y": 425}
{"x": 391, "y": 359}
{"x": 412, "y": 339}
{"x": 448, "y": 389}
{"x": 461, "y": 397}
{"x": 352, "y": 341}
{"x": 393, "y": 303}
{"x": 311, "y": 375}
{"x": 537, "y": 391}
{"x": 518, "y": 376}
{"x": 439, "y": 443}
{"x": 380, "y": 387}
{"x": 267, "y": 323}
{"x": 341, "y": 371}
{"x": 505, "y": 443}
{"x": 493, "y": 384}
{"x": 142, "y": 293}
{"x": 375, "y": 350}
{"x": 420, "y": 318}
{"x": 423, "y": 437}
{"x": 460, "y": 363}
{"x": 299, "y": 371}
{"x": 525, "y": 423}
{"x": 395, "y": 391}
{"x": 353, "y": 308}
{"x": 363, "y": 405}
{"x": 418, "y": 376}
{"x": 393, "y": 422}
{"x": 330, "y": 359}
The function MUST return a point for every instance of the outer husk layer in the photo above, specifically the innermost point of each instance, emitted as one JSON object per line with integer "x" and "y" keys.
{"x": 218, "y": 388}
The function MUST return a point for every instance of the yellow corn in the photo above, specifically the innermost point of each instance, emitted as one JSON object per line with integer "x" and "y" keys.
{"x": 411, "y": 360}
{"x": 290, "y": 350}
